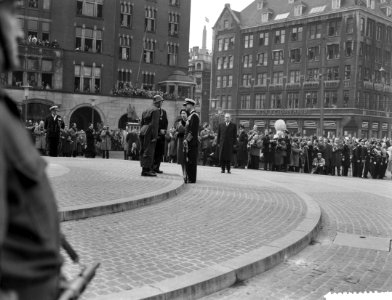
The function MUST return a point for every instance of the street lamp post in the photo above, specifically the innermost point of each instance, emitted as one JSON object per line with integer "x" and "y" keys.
{"x": 92, "y": 111}
{"x": 26, "y": 95}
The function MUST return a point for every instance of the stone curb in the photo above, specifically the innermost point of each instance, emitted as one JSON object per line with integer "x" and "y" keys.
{"x": 78, "y": 212}
{"x": 203, "y": 282}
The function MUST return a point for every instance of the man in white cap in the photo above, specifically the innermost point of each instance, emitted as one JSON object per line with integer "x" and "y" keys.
{"x": 53, "y": 126}
{"x": 191, "y": 141}
{"x": 29, "y": 227}
{"x": 148, "y": 136}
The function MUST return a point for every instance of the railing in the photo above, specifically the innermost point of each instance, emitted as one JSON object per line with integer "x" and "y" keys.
{"x": 311, "y": 84}
{"x": 276, "y": 87}
{"x": 293, "y": 85}
{"x": 331, "y": 84}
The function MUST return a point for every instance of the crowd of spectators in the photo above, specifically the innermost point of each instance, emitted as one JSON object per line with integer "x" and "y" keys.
{"x": 127, "y": 90}
{"x": 33, "y": 40}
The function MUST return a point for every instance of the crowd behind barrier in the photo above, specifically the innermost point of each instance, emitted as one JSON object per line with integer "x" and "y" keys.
{"x": 340, "y": 156}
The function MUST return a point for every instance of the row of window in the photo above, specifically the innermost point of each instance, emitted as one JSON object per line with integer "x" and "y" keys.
{"x": 276, "y": 100}
{"x": 314, "y": 32}
{"x": 224, "y": 81}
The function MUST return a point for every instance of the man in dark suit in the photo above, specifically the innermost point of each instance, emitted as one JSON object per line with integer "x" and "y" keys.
{"x": 160, "y": 145}
{"x": 148, "y": 136}
{"x": 191, "y": 141}
{"x": 53, "y": 125}
{"x": 227, "y": 138}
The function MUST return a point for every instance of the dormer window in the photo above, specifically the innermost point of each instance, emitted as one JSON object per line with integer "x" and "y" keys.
{"x": 266, "y": 15}
{"x": 260, "y": 5}
{"x": 298, "y": 10}
{"x": 370, "y": 4}
{"x": 388, "y": 11}
{"x": 291, "y": 1}
{"x": 336, "y": 4}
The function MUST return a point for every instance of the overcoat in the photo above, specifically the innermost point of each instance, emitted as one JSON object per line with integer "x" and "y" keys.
{"x": 227, "y": 138}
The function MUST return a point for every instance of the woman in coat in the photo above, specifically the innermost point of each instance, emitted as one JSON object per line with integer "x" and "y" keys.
{"x": 179, "y": 134}
{"x": 294, "y": 157}
{"x": 106, "y": 141}
{"x": 279, "y": 155}
{"x": 40, "y": 137}
{"x": 336, "y": 161}
{"x": 242, "y": 151}
{"x": 255, "y": 145}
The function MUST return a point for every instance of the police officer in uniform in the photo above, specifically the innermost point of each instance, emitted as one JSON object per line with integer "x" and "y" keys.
{"x": 160, "y": 146}
{"x": 148, "y": 136}
{"x": 29, "y": 226}
{"x": 191, "y": 141}
{"x": 53, "y": 125}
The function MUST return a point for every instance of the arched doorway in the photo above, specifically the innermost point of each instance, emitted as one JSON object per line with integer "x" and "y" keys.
{"x": 122, "y": 123}
{"x": 85, "y": 115}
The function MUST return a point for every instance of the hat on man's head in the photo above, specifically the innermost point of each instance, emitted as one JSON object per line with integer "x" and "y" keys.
{"x": 54, "y": 107}
{"x": 189, "y": 101}
{"x": 157, "y": 98}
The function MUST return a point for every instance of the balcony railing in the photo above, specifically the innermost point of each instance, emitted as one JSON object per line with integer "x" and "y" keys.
{"x": 293, "y": 85}
{"x": 379, "y": 87}
{"x": 331, "y": 84}
{"x": 276, "y": 87}
{"x": 368, "y": 85}
{"x": 311, "y": 84}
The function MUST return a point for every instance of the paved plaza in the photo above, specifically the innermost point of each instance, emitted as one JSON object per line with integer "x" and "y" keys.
{"x": 221, "y": 218}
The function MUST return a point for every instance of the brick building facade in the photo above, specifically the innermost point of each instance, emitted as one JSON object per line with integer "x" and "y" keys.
{"x": 324, "y": 66}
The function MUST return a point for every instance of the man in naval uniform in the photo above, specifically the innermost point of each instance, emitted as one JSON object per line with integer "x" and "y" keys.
{"x": 191, "y": 141}
{"x": 53, "y": 125}
{"x": 148, "y": 136}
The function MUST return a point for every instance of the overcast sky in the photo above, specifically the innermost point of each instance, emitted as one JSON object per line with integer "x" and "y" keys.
{"x": 210, "y": 9}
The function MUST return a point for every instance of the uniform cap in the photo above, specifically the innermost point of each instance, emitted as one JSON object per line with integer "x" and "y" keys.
{"x": 157, "y": 98}
{"x": 189, "y": 101}
{"x": 52, "y": 107}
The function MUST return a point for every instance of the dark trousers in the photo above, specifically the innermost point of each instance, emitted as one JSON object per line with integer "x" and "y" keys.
{"x": 206, "y": 152}
{"x": 225, "y": 164}
{"x": 53, "y": 146}
{"x": 337, "y": 169}
{"x": 254, "y": 162}
{"x": 159, "y": 152}
{"x": 367, "y": 169}
{"x": 191, "y": 163}
{"x": 147, "y": 152}
{"x": 357, "y": 169}
{"x": 105, "y": 153}
{"x": 345, "y": 170}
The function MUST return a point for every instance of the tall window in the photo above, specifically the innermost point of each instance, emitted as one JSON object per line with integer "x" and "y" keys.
{"x": 296, "y": 33}
{"x": 247, "y": 59}
{"x": 262, "y": 79}
{"x": 246, "y": 79}
{"x": 149, "y": 51}
{"x": 314, "y": 31}
{"x": 229, "y": 80}
{"x": 174, "y": 21}
{"x": 295, "y": 76}
{"x": 349, "y": 48}
{"x": 347, "y": 72}
{"x": 312, "y": 75}
{"x": 262, "y": 59}
{"x": 124, "y": 78}
{"x": 248, "y": 41}
{"x": 245, "y": 101}
{"x": 45, "y": 31}
{"x": 87, "y": 79}
{"x": 125, "y": 48}
{"x": 218, "y": 81}
{"x": 89, "y": 40}
{"x": 46, "y": 4}
{"x": 126, "y": 12}
{"x": 277, "y": 77}
{"x": 148, "y": 80}
{"x": 32, "y": 28}
{"x": 260, "y": 101}
{"x": 90, "y": 8}
{"x": 224, "y": 81}
{"x": 379, "y": 32}
{"x": 219, "y": 63}
{"x": 220, "y": 44}
{"x": 311, "y": 100}
{"x": 295, "y": 55}
{"x": 280, "y": 36}
{"x": 172, "y": 54}
{"x": 231, "y": 62}
{"x": 277, "y": 56}
{"x": 314, "y": 53}
{"x": 333, "y": 51}
{"x": 334, "y": 27}
{"x": 263, "y": 39}
{"x": 331, "y": 99}
{"x": 350, "y": 25}
{"x": 226, "y": 45}
{"x": 276, "y": 100}
{"x": 174, "y": 2}
{"x": 333, "y": 73}
{"x": 346, "y": 98}
{"x": 231, "y": 44}
{"x": 150, "y": 19}
{"x": 33, "y": 3}
{"x": 292, "y": 100}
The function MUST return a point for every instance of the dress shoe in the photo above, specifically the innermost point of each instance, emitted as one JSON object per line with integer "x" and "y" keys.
{"x": 228, "y": 172}
{"x": 223, "y": 171}
{"x": 149, "y": 174}
{"x": 158, "y": 171}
